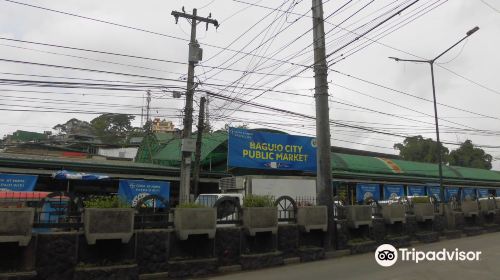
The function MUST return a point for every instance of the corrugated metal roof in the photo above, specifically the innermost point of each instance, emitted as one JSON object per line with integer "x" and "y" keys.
{"x": 171, "y": 152}
{"x": 214, "y": 147}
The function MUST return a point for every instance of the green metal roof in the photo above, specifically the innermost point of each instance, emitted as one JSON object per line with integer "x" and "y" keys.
{"x": 165, "y": 149}
{"x": 214, "y": 152}
{"x": 358, "y": 163}
{"x": 26, "y": 136}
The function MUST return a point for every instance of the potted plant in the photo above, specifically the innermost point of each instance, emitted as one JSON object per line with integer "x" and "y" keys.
{"x": 259, "y": 214}
{"x": 16, "y": 225}
{"x": 193, "y": 219}
{"x": 108, "y": 217}
{"x": 312, "y": 217}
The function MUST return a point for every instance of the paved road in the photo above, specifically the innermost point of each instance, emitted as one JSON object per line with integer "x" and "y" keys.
{"x": 364, "y": 266}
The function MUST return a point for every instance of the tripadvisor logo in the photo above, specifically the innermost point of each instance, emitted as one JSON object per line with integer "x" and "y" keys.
{"x": 387, "y": 255}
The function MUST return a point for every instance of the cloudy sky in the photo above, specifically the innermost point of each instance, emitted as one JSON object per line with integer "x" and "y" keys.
{"x": 260, "y": 53}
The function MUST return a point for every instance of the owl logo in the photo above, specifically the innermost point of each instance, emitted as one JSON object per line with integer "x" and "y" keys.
{"x": 140, "y": 196}
{"x": 367, "y": 195}
{"x": 314, "y": 143}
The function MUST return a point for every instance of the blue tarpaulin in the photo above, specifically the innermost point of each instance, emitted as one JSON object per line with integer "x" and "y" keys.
{"x": 364, "y": 191}
{"x": 392, "y": 191}
{"x": 416, "y": 190}
{"x": 263, "y": 150}
{"x": 134, "y": 190}
{"x": 16, "y": 182}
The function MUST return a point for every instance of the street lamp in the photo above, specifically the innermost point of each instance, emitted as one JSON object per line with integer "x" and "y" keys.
{"x": 431, "y": 63}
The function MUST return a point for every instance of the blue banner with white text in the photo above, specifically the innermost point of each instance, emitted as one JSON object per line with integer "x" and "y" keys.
{"x": 393, "y": 191}
{"x": 365, "y": 191}
{"x": 416, "y": 190}
{"x": 483, "y": 192}
{"x": 434, "y": 191}
{"x": 263, "y": 150}
{"x": 18, "y": 183}
{"x": 134, "y": 190}
{"x": 469, "y": 194}
{"x": 450, "y": 192}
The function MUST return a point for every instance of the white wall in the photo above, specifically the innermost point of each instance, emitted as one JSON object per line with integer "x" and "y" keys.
{"x": 128, "y": 153}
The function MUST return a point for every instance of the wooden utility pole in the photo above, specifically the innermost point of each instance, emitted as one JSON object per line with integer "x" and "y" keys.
{"x": 197, "y": 154}
{"x": 195, "y": 55}
{"x": 324, "y": 188}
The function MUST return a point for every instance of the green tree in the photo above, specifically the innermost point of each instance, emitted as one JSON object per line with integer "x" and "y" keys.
{"x": 112, "y": 128}
{"x": 469, "y": 156}
{"x": 417, "y": 148}
{"x": 74, "y": 126}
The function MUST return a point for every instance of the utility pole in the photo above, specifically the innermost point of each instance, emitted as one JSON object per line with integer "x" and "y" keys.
{"x": 195, "y": 55}
{"x": 148, "y": 103}
{"x": 197, "y": 155}
{"x": 324, "y": 186}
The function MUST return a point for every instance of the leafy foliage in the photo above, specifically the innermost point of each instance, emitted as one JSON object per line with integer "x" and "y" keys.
{"x": 421, "y": 199}
{"x": 105, "y": 202}
{"x": 74, "y": 126}
{"x": 416, "y": 148}
{"x": 112, "y": 128}
{"x": 469, "y": 156}
{"x": 258, "y": 201}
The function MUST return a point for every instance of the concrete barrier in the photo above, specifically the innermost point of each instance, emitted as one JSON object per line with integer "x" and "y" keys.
{"x": 393, "y": 213}
{"x": 16, "y": 225}
{"x": 312, "y": 217}
{"x": 470, "y": 208}
{"x": 359, "y": 215}
{"x": 260, "y": 219}
{"x": 423, "y": 211}
{"x": 191, "y": 221}
{"x": 108, "y": 223}
{"x": 487, "y": 206}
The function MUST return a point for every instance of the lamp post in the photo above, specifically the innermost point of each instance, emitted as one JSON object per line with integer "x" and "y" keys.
{"x": 431, "y": 63}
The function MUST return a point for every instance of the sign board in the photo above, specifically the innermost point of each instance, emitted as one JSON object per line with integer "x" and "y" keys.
{"x": 469, "y": 194}
{"x": 263, "y": 150}
{"x": 483, "y": 192}
{"x": 416, "y": 190}
{"x": 134, "y": 190}
{"x": 365, "y": 191}
{"x": 393, "y": 191}
{"x": 450, "y": 192}
{"x": 434, "y": 191}
{"x": 18, "y": 183}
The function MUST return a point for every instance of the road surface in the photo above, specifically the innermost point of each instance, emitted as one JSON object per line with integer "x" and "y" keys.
{"x": 364, "y": 266}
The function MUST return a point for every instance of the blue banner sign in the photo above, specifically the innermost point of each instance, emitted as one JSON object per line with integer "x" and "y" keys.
{"x": 450, "y": 192}
{"x": 483, "y": 192}
{"x": 416, "y": 190}
{"x": 134, "y": 190}
{"x": 365, "y": 191}
{"x": 393, "y": 191}
{"x": 469, "y": 194}
{"x": 18, "y": 183}
{"x": 434, "y": 191}
{"x": 262, "y": 150}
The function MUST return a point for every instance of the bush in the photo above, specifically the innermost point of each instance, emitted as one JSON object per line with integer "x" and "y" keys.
{"x": 258, "y": 201}
{"x": 191, "y": 205}
{"x": 105, "y": 202}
